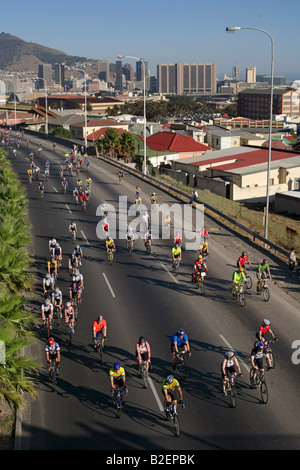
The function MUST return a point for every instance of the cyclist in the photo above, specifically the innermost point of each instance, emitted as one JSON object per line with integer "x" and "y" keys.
{"x": 76, "y": 195}
{"x": 257, "y": 354}
{"x": 69, "y": 316}
{"x": 242, "y": 260}
{"x": 74, "y": 292}
{"x": 73, "y": 264}
{"x": 78, "y": 278}
{"x": 78, "y": 254}
{"x": 200, "y": 265}
{"x": 146, "y": 220}
{"x": 104, "y": 210}
{"x": 238, "y": 278}
{"x": 137, "y": 192}
{"x": 129, "y": 238}
{"x": 64, "y": 184}
{"x": 37, "y": 172}
{"x": 88, "y": 182}
{"x": 83, "y": 199}
{"x": 143, "y": 352}
{"x": 168, "y": 222}
{"x": 229, "y": 367}
{"x": 47, "y": 312}
{"x": 261, "y": 273}
{"x": 52, "y": 351}
{"x": 52, "y": 243}
{"x": 292, "y": 260}
{"x": 148, "y": 239}
{"x": 29, "y": 174}
{"x": 121, "y": 176}
{"x": 58, "y": 253}
{"x": 73, "y": 229}
{"x": 178, "y": 239}
{"x": 153, "y": 198}
{"x": 99, "y": 327}
{"x": 79, "y": 184}
{"x": 117, "y": 378}
{"x": 176, "y": 253}
{"x": 260, "y": 334}
{"x": 170, "y": 389}
{"x": 48, "y": 285}
{"x": 138, "y": 200}
{"x": 179, "y": 340}
{"x": 110, "y": 244}
{"x": 204, "y": 249}
{"x": 57, "y": 299}
{"x": 41, "y": 188}
{"x": 52, "y": 267}
{"x": 105, "y": 228}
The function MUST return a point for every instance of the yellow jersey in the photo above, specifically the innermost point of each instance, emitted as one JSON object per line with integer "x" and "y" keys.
{"x": 117, "y": 374}
{"x": 170, "y": 387}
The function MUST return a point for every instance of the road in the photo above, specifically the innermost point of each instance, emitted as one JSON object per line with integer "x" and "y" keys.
{"x": 139, "y": 295}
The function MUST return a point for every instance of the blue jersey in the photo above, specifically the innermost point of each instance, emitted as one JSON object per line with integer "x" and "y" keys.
{"x": 178, "y": 339}
{"x": 52, "y": 349}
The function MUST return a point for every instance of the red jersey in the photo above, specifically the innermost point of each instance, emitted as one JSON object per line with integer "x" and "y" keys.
{"x": 99, "y": 326}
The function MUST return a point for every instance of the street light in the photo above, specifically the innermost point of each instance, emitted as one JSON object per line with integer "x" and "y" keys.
{"x": 46, "y": 103}
{"x": 85, "y": 107}
{"x": 144, "y": 70}
{"x": 232, "y": 29}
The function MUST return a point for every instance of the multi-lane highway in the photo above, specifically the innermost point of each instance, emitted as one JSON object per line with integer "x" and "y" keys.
{"x": 139, "y": 295}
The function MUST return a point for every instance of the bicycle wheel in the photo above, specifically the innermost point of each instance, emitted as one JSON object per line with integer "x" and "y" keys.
{"x": 119, "y": 405}
{"x": 272, "y": 359}
{"x": 242, "y": 299}
{"x": 202, "y": 290}
{"x": 233, "y": 396}
{"x": 176, "y": 425}
{"x": 266, "y": 294}
{"x": 264, "y": 391}
{"x": 145, "y": 378}
{"x": 248, "y": 282}
{"x": 181, "y": 370}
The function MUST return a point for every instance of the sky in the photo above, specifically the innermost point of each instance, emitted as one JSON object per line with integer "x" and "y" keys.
{"x": 165, "y": 31}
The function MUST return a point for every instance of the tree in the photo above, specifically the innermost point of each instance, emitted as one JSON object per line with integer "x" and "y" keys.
{"x": 127, "y": 145}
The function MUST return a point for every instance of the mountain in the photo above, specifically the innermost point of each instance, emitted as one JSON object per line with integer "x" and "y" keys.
{"x": 17, "y": 54}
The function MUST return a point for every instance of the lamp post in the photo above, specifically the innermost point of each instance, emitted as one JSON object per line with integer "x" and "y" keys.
{"x": 15, "y": 102}
{"x": 144, "y": 75}
{"x": 232, "y": 29}
{"x": 46, "y": 104}
{"x": 85, "y": 108}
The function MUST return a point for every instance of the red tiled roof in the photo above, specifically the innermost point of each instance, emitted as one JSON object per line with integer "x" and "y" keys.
{"x": 173, "y": 142}
{"x": 248, "y": 159}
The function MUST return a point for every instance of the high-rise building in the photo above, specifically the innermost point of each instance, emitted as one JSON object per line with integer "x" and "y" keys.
{"x": 128, "y": 72}
{"x": 255, "y": 103}
{"x": 139, "y": 70}
{"x": 103, "y": 70}
{"x": 193, "y": 78}
{"x": 235, "y": 73}
{"x": 45, "y": 72}
{"x": 119, "y": 73}
{"x": 251, "y": 74}
{"x": 59, "y": 74}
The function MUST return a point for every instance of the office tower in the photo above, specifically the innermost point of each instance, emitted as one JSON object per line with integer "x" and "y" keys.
{"x": 128, "y": 72}
{"x": 251, "y": 74}
{"x": 254, "y": 103}
{"x": 139, "y": 70}
{"x": 59, "y": 74}
{"x": 179, "y": 78}
{"x": 103, "y": 70}
{"x": 45, "y": 72}
{"x": 235, "y": 73}
{"x": 119, "y": 73}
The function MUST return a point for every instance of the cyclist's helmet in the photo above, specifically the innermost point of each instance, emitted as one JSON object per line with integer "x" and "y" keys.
{"x": 117, "y": 365}
{"x": 68, "y": 304}
{"x": 200, "y": 257}
{"x": 229, "y": 354}
{"x": 180, "y": 331}
{"x": 169, "y": 379}
{"x": 142, "y": 339}
{"x": 51, "y": 341}
{"x": 260, "y": 346}
{"x": 265, "y": 261}
{"x": 47, "y": 301}
{"x": 57, "y": 290}
{"x": 100, "y": 318}
{"x": 244, "y": 253}
{"x": 266, "y": 322}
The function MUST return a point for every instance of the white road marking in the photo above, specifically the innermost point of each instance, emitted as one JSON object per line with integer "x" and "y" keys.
{"x": 160, "y": 406}
{"x": 232, "y": 349}
{"x": 109, "y": 286}
{"x": 84, "y": 237}
{"x": 55, "y": 189}
{"x": 68, "y": 208}
{"x": 174, "y": 278}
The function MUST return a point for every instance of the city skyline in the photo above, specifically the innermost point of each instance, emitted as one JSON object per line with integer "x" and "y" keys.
{"x": 165, "y": 32}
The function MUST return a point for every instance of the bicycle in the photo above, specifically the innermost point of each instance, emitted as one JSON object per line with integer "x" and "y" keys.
{"x": 238, "y": 293}
{"x": 52, "y": 373}
{"x": 200, "y": 282}
{"x": 129, "y": 246}
{"x": 99, "y": 347}
{"x": 260, "y": 382}
{"x": 263, "y": 287}
{"x": 144, "y": 373}
{"x": 118, "y": 401}
{"x": 179, "y": 366}
{"x": 248, "y": 282}
{"x": 110, "y": 256}
{"x": 171, "y": 414}
{"x": 148, "y": 247}
{"x": 268, "y": 351}
{"x": 57, "y": 314}
{"x": 175, "y": 265}
{"x": 231, "y": 391}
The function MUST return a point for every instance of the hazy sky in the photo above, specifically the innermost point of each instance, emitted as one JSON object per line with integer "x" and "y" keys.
{"x": 165, "y": 31}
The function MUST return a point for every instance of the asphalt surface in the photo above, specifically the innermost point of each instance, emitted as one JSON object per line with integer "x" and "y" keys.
{"x": 139, "y": 295}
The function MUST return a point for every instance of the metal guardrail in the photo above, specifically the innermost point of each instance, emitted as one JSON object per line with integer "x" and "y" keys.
{"x": 160, "y": 184}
